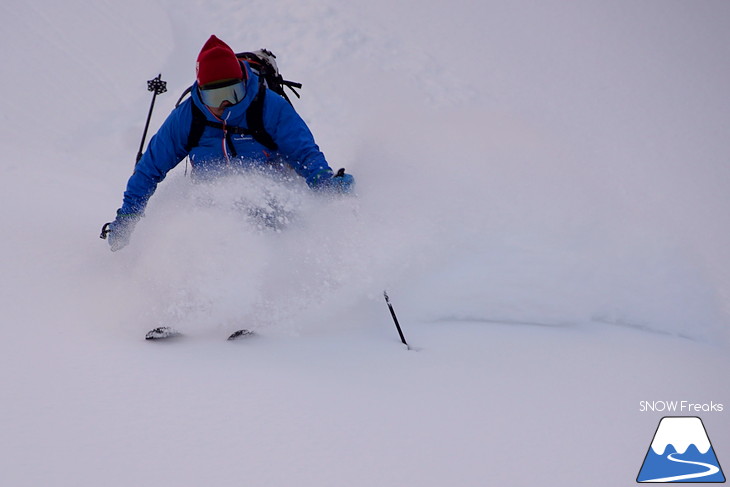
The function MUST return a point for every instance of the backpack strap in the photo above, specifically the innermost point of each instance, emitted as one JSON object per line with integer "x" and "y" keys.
{"x": 196, "y": 127}
{"x": 255, "y": 119}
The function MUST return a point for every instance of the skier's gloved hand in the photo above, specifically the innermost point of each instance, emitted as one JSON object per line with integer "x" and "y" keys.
{"x": 120, "y": 230}
{"x": 340, "y": 183}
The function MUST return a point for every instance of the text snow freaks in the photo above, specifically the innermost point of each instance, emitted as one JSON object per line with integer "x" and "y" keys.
{"x": 680, "y": 407}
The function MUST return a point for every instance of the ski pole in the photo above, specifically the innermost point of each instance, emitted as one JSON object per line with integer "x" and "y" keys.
{"x": 158, "y": 87}
{"x": 395, "y": 320}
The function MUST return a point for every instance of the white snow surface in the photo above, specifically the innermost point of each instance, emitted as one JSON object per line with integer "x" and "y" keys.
{"x": 543, "y": 190}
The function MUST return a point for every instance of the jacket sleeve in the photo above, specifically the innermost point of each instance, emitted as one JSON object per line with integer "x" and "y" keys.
{"x": 295, "y": 140}
{"x": 165, "y": 151}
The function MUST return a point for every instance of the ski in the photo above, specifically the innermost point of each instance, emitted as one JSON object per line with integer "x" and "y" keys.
{"x": 166, "y": 332}
{"x": 238, "y": 334}
{"x": 162, "y": 332}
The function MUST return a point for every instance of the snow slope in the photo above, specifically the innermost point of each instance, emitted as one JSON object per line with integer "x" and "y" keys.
{"x": 543, "y": 190}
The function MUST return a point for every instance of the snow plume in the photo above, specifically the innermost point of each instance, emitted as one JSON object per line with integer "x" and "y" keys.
{"x": 493, "y": 219}
{"x": 244, "y": 251}
{"x": 518, "y": 224}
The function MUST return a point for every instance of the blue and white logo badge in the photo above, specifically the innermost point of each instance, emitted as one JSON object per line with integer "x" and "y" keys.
{"x": 681, "y": 452}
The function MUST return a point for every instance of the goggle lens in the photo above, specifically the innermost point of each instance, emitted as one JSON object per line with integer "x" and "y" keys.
{"x": 213, "y": 97}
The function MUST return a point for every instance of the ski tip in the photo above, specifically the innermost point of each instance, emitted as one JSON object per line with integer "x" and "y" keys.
{"x": 162, "y": 332}
{"x": 240, "y": 334}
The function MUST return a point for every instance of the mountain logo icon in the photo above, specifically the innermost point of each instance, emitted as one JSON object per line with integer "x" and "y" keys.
{"x": 681, "y": 452}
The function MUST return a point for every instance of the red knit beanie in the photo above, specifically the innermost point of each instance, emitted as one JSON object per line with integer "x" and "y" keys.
{"x": 217, "y": 62}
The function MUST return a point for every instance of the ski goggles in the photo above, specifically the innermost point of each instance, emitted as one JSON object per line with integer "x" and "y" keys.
{"x": 214, "y": 94}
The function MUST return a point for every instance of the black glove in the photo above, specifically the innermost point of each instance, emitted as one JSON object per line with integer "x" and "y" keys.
{"x": 120, "y": 230}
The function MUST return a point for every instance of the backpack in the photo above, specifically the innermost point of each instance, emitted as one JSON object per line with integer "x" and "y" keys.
{"x": 263, "y": 63}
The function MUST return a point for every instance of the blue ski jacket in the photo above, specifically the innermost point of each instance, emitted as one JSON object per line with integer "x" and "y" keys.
{"x": 296, "y": 146}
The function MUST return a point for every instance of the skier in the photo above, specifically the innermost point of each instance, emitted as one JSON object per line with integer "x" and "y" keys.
{"x": 223, "y": 92}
